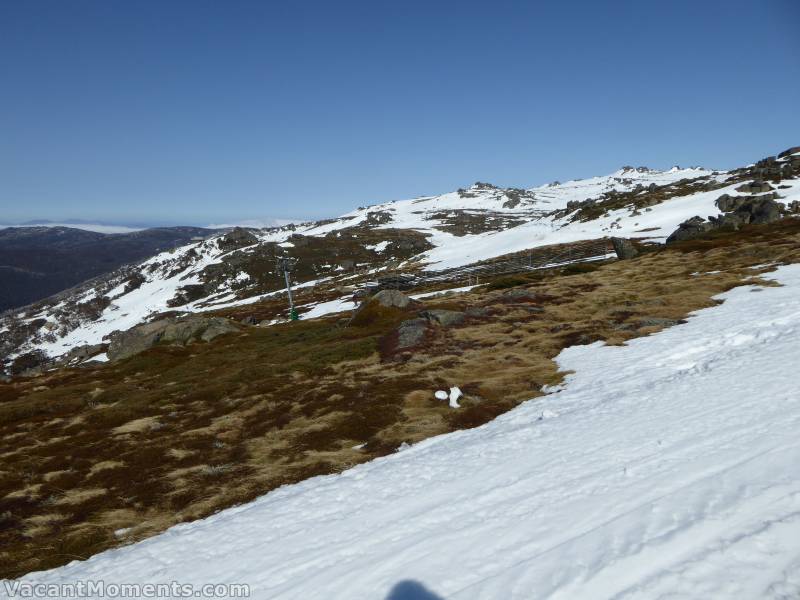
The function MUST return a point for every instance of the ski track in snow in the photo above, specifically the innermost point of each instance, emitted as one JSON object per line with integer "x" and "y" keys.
{"x": 666, "y": 468}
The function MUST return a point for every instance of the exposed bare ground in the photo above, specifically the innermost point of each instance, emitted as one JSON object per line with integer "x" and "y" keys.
{"x": 97, "y": 457}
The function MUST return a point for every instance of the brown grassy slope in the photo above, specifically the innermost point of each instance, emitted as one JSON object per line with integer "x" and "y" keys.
{"x": 175, "y": 434}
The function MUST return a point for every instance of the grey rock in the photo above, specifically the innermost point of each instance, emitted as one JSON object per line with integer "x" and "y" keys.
{"x": 411, "y": 333}
{"x": 249, "y": 320}
{"x": 533, "y": 309}
{"x": 657, "y": 322}
{"x": 445, "y": 318}
{"x": 744, "y": 210}
{"x": 136, "y": 339}
{"x": 755, "y": 187}
{"x": 624, "y": 248}
{"x": 82, "y": 353}
{"x": 520, "y": 294}
{"x": 217, "y": 327}
{"x": 236, "y": 238}
{"x": 731, "y": 220}
{"x": 391, "y": 298}
{"x": 647, "y": 322}
{"x": 728, "y": 203}
{"x": 690, "y": 229}
{"x": 174, "y": 331}
{"x": 763, "y": 211}
{"x": 299, "y": 241}
{"x": 478, "y": 312}
{"x": 180, "y": 332}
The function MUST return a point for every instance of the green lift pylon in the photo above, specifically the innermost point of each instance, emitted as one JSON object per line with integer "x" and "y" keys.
{"x": 286, "y": 264}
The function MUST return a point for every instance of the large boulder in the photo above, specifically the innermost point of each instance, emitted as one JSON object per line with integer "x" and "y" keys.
{"x": 391, "y": 298}
{"x": 520, "y": 295}
{"x": 733, "y": 220}
{"x": 445, "y": 318}
{"x": 763, "y": 210}
{"x": 236, "y": 238}
{"x": 170, "y": 331}
{"x": 216, "y": 327}
{"x": 82, "y": 353}
{"x": 755, "y": 187}
{"x": 690, "y": 229}
{"x": 624, "y": 248}
{"x": 747, "y": 209}
{"x": 136, "y": 339}
{"x": 728, "y": 203}
{"x": 411, "y": 333}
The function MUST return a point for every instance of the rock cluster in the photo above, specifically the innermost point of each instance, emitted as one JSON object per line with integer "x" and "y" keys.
{"x": 237, "y": 238}
{"x": 690, "y": 229}
{"x": 737, "y": 211}
{"x": 411, "y": 333}
{"x": 775, "y": 168}
{"x": 755, "y": 187}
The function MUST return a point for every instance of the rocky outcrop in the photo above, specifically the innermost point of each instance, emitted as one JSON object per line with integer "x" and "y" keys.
{"x": 478, "y": 312}
{"x": 391, "y": 298}
{"x": 737, "y": 211}
{"x": 82, "y": 353}
{"x": 755, "y": 187}
{"x": 445, "y": 318}
{"x": 690, "y": 229}
{"x": 624, "y": 248}
{"x": 411, "y": 333}
{"x": 237, "y": 238}
{"x": 171, "y": 331}
{"x": 520, "y": 295}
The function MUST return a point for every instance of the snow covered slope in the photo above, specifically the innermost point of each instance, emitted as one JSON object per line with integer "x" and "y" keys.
{"x": 436, "y": 232}
{"x": 669, "y": 467}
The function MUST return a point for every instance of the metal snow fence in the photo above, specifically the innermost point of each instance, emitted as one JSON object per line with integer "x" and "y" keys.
{"x": 532, "y": 260}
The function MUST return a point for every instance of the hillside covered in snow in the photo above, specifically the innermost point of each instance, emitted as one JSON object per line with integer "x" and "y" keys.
{"x": 427, "y": 234}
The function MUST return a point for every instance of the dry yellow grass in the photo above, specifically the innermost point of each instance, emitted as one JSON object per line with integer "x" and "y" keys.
{"x": 176, "y": 434}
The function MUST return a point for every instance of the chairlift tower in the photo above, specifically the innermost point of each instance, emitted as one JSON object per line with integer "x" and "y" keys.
{"x": 285, "y": 265}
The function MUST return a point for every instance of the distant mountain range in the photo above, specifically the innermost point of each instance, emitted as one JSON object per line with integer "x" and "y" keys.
{"x": 36, "y": 262}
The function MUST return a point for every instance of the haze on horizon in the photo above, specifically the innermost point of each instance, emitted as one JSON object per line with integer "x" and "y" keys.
{"x": 206, "y": 113}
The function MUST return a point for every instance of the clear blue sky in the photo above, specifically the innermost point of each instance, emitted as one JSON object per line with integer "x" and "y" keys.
{"x": 210, "y": 111}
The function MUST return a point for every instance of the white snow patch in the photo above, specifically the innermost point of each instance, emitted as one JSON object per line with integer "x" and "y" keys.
{"x": 379, "y": 247}
{"x": 671, "y": 470}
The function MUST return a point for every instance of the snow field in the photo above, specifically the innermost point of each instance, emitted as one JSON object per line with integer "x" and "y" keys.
{"x": 666, "y": 468}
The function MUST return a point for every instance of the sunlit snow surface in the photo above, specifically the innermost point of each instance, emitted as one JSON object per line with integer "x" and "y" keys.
{"x": 666, "y": 468}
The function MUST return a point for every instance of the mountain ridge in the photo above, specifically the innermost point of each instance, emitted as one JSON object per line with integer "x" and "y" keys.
{"x": 435, "y": 233}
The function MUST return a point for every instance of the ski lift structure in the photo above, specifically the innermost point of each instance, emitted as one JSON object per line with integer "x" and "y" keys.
{"x": 285, "y": 265}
